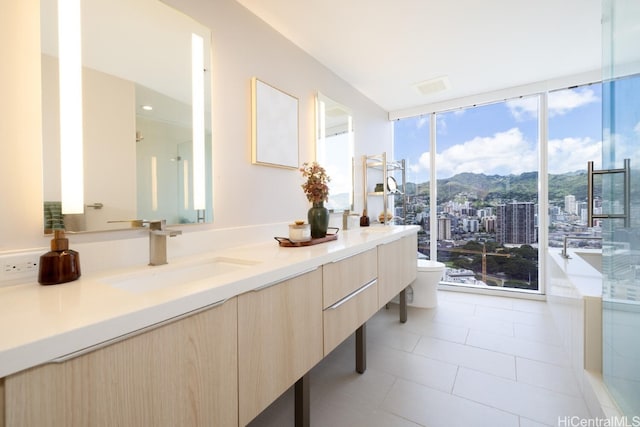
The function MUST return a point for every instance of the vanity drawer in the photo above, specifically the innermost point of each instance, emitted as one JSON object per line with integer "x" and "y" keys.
{"x": 341, "y": 278}
{"x": 348, "y": 314}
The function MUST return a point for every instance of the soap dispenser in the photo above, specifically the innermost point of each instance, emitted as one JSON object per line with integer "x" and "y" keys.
{"x": 61, "y": 264}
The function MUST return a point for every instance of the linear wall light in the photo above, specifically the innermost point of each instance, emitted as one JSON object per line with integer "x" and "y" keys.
{"x": 154, "y": 183}
{"x": 197, "y": 102}
{"x": 70, "y": 75}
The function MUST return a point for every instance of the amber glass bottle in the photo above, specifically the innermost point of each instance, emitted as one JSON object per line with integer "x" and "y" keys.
{"x": 61, "y": 264}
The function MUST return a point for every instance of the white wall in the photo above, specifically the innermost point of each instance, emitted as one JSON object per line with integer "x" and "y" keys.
{"x": 243, "y": 47}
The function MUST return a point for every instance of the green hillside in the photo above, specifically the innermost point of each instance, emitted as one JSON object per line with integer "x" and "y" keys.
{"x": 493, "y": 189}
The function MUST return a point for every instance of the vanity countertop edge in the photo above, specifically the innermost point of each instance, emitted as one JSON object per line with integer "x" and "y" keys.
{"x": 43, "y": 323}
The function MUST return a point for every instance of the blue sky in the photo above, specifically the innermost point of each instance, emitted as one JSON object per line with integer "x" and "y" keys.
{"x": 501, "y": 138}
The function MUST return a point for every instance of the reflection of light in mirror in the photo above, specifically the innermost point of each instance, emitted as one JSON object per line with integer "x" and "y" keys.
{"x": 185, "y": 183}
{"x": 197, "y": 86}
{"x": 154, "y": 183}
{"x": 147, "y": 107}
{"x": 334, "y": 150}
{"x": 70, "y": 63}
{"x": 320, "y": 146}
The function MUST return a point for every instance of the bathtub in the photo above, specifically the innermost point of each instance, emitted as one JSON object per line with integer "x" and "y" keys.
{"x": 574, "y": 296}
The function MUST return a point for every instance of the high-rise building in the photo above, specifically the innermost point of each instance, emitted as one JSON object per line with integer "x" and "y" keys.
{"x": 570, "y": 205}
{"x": 470, "y": 225}
{"x": 444, "y": 228}
{"x": 515, "y": 223}
{"x": 489, "y": 224}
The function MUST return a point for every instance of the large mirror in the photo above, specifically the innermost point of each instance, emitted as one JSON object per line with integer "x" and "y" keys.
{"x": 334, "y": 150}
{"x": 137, "y": 116}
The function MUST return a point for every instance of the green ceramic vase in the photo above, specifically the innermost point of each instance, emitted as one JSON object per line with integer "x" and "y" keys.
{"x": 318, "y": 217}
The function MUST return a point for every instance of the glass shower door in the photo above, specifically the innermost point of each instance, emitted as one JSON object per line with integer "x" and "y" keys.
{"x": 621, "y": 240}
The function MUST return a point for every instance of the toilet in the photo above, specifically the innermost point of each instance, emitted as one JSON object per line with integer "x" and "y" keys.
{"x": 425, "y": 286}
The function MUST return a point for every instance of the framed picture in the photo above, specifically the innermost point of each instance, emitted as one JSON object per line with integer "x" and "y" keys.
{"x": 274, "y": 126}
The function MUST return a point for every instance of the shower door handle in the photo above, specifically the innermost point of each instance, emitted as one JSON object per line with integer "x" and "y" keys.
{"x": 626, "y": 171}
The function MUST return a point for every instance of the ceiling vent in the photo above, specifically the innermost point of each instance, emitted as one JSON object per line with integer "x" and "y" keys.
{"x": 429, "y": 87}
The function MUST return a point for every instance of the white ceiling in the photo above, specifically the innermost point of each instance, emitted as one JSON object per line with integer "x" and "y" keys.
{"x": 383, "y": 47}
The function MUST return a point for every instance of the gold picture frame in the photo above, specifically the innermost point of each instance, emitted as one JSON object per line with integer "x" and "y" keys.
{"x": 274, "y": 125}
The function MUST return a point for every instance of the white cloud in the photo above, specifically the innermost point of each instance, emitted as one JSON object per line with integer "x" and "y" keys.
{"x": 572, "y": 154}
{"x": 503, "y": 153}
{"x": 563, "y": 101}
{"x": 422, "y": 121}
{"x": 523, "y": 108}
{"x": 560, "y": 103}
{"x": 624, "y": 146}
{"x": 506, "y": 153}
{"x": 441, "y": 124}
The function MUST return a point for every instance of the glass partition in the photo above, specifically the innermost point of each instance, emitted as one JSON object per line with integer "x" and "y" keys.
{"x": 621, "y": 245}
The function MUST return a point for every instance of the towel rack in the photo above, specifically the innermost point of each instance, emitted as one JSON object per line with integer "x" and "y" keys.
{"x": 626, "y": 171}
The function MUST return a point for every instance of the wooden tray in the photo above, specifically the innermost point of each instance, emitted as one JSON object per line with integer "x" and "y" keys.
{"x": 286, "y": 243}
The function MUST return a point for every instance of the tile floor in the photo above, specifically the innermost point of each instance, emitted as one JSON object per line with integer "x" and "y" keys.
{"x": 475, "y": 360}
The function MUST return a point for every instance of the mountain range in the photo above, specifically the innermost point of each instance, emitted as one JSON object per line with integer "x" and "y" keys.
{"x": 503, "y": 188}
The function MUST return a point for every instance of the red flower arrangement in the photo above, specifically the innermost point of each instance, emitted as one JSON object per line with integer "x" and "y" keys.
{"x": 315, "y": 188}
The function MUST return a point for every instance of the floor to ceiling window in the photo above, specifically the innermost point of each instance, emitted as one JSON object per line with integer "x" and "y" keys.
{"x": 487, "y": 191}
{"x": 412, "y": 144}
{"x": 575, "y": 137}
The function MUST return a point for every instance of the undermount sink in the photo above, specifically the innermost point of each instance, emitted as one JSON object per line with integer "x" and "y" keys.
{"x": 592, "y": 258}
{"x": 176, "y": 275}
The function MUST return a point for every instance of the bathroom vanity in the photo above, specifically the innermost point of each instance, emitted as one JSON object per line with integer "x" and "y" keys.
{"x": 211, "y": 351}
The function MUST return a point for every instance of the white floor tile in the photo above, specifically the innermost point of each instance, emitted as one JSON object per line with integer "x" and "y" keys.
{"x": 525, "y": 422}
{"x": 340, "y": 412}
{"x": 394, "y": 337}
{"x": 537, "y": 334}
{"x": 519, "y": 347}
{"x": 476, "y": 299}
{"x": 491, "y": 362}
{"x": 533, "y": 306}
{"x": 369, "y": 388}
{"x": 474, "y": 322}
{"x": 535, "y": 403}
{"x": 526, "y": 317}
{"x": 546, "y": 375}
{"x": 419, "y": 321}
{"x": 422, "y": 370}
{"x": 434, "y": 408}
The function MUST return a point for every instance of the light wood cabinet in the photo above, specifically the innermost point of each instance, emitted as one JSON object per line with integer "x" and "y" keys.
{"x": 350, "y": 296}
{"x": 396, "y": 267}
{"x": 180, "y": 373}
{"x": 341, "y": 319}
{"x": 342, "y": 277}
{"x": 279, "y": 339}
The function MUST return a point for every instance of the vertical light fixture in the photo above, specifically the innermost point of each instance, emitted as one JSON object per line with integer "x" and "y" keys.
{"x": 321, "y": 146}
{"x": 197, "y": 102}
{"x": 154, "y": 183}
{"x": 70, "y": 75}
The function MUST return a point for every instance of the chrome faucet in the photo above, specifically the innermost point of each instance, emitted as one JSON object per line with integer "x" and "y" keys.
{"x": 566, "y": 238}
{"x": 158, "y": 241}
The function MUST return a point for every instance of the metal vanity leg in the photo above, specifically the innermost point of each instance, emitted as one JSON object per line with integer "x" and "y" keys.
{"x": 361, "y": 349}
{"x": 302, "y": 405}
{"x": 403, "y": 305}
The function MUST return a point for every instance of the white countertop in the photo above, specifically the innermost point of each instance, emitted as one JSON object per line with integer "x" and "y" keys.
{"x": 42, "y": 323}
{"x": 573, "y": 277}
